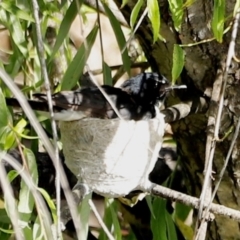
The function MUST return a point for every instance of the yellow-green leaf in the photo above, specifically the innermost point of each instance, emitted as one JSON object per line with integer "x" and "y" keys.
{"x": 154, "y": 16}
{"x": 218, "y": 19}
{"x": 176, "y": 8}
{"x": 178, "y": 62}
{"x": 65, "y": 26}
{"x": 76, "y": 67}
{"x": 26, "y": 200}
{"x": 135, "y": 12}
{"x": 119, "y": 37}
{"x": 236, "y": 7}
{"x": 107, "y": 74}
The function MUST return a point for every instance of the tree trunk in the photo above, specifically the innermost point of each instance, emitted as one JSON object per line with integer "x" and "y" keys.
{"x": 204, "y": 64}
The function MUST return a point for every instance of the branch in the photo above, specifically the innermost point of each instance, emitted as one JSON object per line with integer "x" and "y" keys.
{"x": 173, "y": 195}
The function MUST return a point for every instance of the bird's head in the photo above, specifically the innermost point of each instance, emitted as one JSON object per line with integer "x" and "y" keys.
{"x": 147, "y": 87}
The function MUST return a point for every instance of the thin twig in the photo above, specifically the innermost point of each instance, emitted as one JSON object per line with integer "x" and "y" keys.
{"x": 103, "y": 93}
{"x": 41, "y": 55}
{"x": 10, "y": 201}
{"x": 42, "y": 210}
{"x": 173, "y": 195}
{"x": 118, "y": 15}
{"x": 102, "y": 224}
{"x": 135, "y": 29}
{"x": 231, "y": 54}
{"x": 100, "y": 34}
{"x": 47, "y": 144}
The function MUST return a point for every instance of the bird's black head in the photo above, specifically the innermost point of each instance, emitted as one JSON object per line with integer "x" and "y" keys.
{"x": 146, "y": 88}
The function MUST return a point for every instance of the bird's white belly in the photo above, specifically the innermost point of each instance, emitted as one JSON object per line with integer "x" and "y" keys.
{"x": 113, "y": 157}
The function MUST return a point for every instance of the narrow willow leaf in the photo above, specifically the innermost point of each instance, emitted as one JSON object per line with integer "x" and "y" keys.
{"x": 12, "y": 175}
{"x": 26, "y": 200}
{"x": 23, "y": 4}
{"x": 135, "y": 12}
{"x": 114, "y": 216}
{"x": 38, "y": 233}
{"x": 181, "y": 211}
{"x": 158, "y": 224}
{"x": 150, "y": 205}
{"x": 107, "y": 221}
{"x": 84, "y": 216}
{"x": 236, "y": 7}
{"x": 6, "y": 135}
{"x": 119, "y": 37}
{"x": 20, "y": 126}
{"x": 178, "y": 62}
{"x": 154, "y": 16}
{"x": 9, "y": 231}
{"x": 186, "y": 230}
{"x": 76, "y": 67}
{"x": 218, "y": 19}
{"x": 5, "y": 115}
{"x": 50, "y": 203}
{"x": 124, "y": 2}
{"x": 4, "y": 235}
{"x": 171, "y": 229}
{"x": 4, "y": 218}
{"x": 176, "y": 8}
{"x": 17, "y": 33}
{"x": 65, "y": 26}
{"x": 19, "y": 13}
{"x": 107, "y": 74}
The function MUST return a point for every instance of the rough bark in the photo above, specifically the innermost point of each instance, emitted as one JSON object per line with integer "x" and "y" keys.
{"x": 203, "y": 67}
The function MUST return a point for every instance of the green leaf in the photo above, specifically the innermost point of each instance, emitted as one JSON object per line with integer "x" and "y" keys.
{"x": 176, "y": 8}
{"x": 23, "y": 4}
{"x": 124, "y": 2}
{"x": 154, "y": 16}
{"x": 50, "y": 203}
{"x": 236, "y": 7}
{"x": 17, "y": 33}
{"x": 135, "y": 12}
{"x": 10, "y": 7}
{"x": 84, "y": 216}
{"x": 26, "y": 199}
{"x": 150, "y": 205}
{"x": 65, "y": 25}
{"x": 120, "y": 38}
{"x": 4, "y": 218}
{"x": 9, "y": 231}
{"x": 76, "y": 67}
{"x": 5, "y": 115}
{"x": 181, "y": 211}
{"x": 12, "y": 175}
{"x": 218, "y": 19}
{"x": 38, "y": 232}
{"x": 19, "y": 128}
{"x": 107, "y": 74}
{"x": 4, "y": 235}
{"x": 7, "y": 137}
{"x": 178, "y": 62}
{"x": 158, "y": 224}
{"x": 107, "y": 221}
{"x": 113, "y": 210}
{"x": 171, "y": 229}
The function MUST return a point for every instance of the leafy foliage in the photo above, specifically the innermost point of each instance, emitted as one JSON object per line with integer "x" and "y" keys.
{"x": 218, "y": 19}
{"x": 16, "y": 16}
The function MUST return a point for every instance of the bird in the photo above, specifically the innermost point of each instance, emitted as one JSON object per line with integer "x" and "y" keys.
{"x": 135, "y": 99}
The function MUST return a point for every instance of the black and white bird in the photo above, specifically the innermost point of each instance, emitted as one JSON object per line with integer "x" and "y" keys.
{"x": 135, "y": 100}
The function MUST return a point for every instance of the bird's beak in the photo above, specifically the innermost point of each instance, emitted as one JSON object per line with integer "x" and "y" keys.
{"x": 175, "y": 87}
